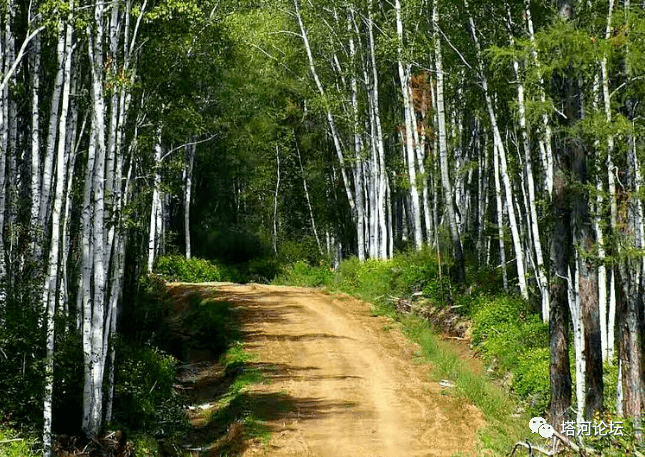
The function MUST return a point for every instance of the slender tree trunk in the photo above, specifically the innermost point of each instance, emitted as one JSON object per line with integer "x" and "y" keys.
{"x": 404, "y": 78}
{"x": 546, "y": 152}
{"x": 93, "y": 392}
{"x": 499, "y": 146}
{"x": 384, "y": 228}
{"x": 330, "y": 118}
{"x": 530, "y": 184}
{"x": 188, "y": 185}
{"x": 358, "y": 166}
{"x": 443, "y": 151}
{"x": 153, "y": 235}
{"x": 500, "y": 217}
{"x": 34, "y": 80}
{"x": 275, "y": 202}
{"x": 48, "y": 164}
{"x": 50, "y": 291}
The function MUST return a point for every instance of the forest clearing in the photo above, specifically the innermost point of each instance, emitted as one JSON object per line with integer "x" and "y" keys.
{"x": 471, "y": 169}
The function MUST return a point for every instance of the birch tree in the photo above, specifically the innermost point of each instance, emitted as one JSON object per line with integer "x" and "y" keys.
{"x": 443, "y": 149}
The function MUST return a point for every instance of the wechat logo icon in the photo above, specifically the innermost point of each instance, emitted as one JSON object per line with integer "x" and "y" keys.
{"x": 539, "y": 425}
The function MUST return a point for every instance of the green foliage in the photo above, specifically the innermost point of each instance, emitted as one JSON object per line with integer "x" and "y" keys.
{"x": 21, "y": 447}
{"x": 68, "y": 383}
{"x": 210, "y": 324}
{"x": 531, "y": 379}
{"x": 301, "y": 274}
{"x": 178, "y": 268}
{"x": 22, "y": 350}
{"x": 374, "y": 279}
{"x": 145, "y": 445}
{"x": 502, "y": 329}
{"x": 142, "y": 319}
{"x": 264, "y": 269}
{"x": 145, "y": 398}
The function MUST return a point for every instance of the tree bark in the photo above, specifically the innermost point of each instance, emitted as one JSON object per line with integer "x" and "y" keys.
{"x": 443, "y": 151}
{"x": 404, "y": 79}
{"x": 188, "y": 186}
{"x": 501, "y": 150}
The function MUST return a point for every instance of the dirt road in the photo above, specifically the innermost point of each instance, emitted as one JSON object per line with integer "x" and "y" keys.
{"x": 348, "y": 384}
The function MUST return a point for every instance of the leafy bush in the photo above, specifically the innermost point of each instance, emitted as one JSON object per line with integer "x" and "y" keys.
{"x": 144, "y": 396}
{"x": 304, "y": 275}
{"x": 374, "y": 279}
{"x": 22, "y": 447}
{"x": 178, "y": 268}
{"x": 264, "y": 269}
{"x": 210, "y": 324}
{"x": 531, "y": 379}
{"x": 347, "y": 274}
{"x": 142, "y": 316}
{"x": 502, "y": 329}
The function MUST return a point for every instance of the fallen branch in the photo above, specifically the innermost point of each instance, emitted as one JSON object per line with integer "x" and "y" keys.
{"x": 12, "y": 440}
{"x": 573, "y": 445}
{"x": 531, "y": 448}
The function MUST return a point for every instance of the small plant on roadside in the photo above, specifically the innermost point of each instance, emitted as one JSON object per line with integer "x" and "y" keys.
{"x": 14, "y": 444}
{"x": 145, "y": 398}
{"x": 178, "y": 268}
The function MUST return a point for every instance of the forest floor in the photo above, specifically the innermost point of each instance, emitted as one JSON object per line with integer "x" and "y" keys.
{"x": 335, "y": 380}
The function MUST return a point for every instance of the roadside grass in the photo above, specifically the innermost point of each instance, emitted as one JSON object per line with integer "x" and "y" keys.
{"x": 15, "y": 444}
{"x": 233, "y": 415}
{"x": 228, "y": 422}
{"x": 504, "y": 425}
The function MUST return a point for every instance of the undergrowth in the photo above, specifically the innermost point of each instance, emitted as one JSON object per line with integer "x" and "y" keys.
{"x": 15, "y": 444}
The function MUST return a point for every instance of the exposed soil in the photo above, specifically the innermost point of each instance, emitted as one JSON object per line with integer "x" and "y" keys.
{"x": 340, "y": 382}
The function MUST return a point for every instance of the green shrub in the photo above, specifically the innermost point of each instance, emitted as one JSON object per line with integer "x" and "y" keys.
{"x": 144, "y": 396}
{"x": 347, "y": 274}
{"x": 503, "y": 330}
{"x": 303, "y": 275}
{"x": 531, "y": 379}
{"x": 374, "y": 279}
{"x": 492, "y": 314}
{"x": 263, "y": 270}
{"x": 210, "y": 323}
{"x": 21, "y": 447}
{"x": 178, "y": 268}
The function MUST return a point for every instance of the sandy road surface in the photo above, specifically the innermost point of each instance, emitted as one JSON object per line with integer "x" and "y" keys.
{"x": 352, "y": 386}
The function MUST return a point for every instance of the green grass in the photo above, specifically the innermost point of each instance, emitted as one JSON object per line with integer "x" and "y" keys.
{"x": 13, "y": 444}
{"x": 234, "y": 418}
{"x": 502, "y": 428}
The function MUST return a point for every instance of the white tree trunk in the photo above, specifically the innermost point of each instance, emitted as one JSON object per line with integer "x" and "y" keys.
{"x": 546, "y": 152}
{"x": 93, "y": 389}
{"x": 188, "y": 186}
{"x": 34, "y": 79}
{"x": 48, "y": 164}
{"x": 499, "y": 146}
{"x": 330, "y": 117}
{"x": 530, "y": 184}
{"x": 385, "y": 229}
{"x": 50, "y": 290}
{"x": 275, "y": 201}
{"x": 443, "y": 148}
{"x": 404, "y": 79}
{"x": 155, "y": 210}
{"x": 358, "y": 166}
{"x": 500, "y": 216}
